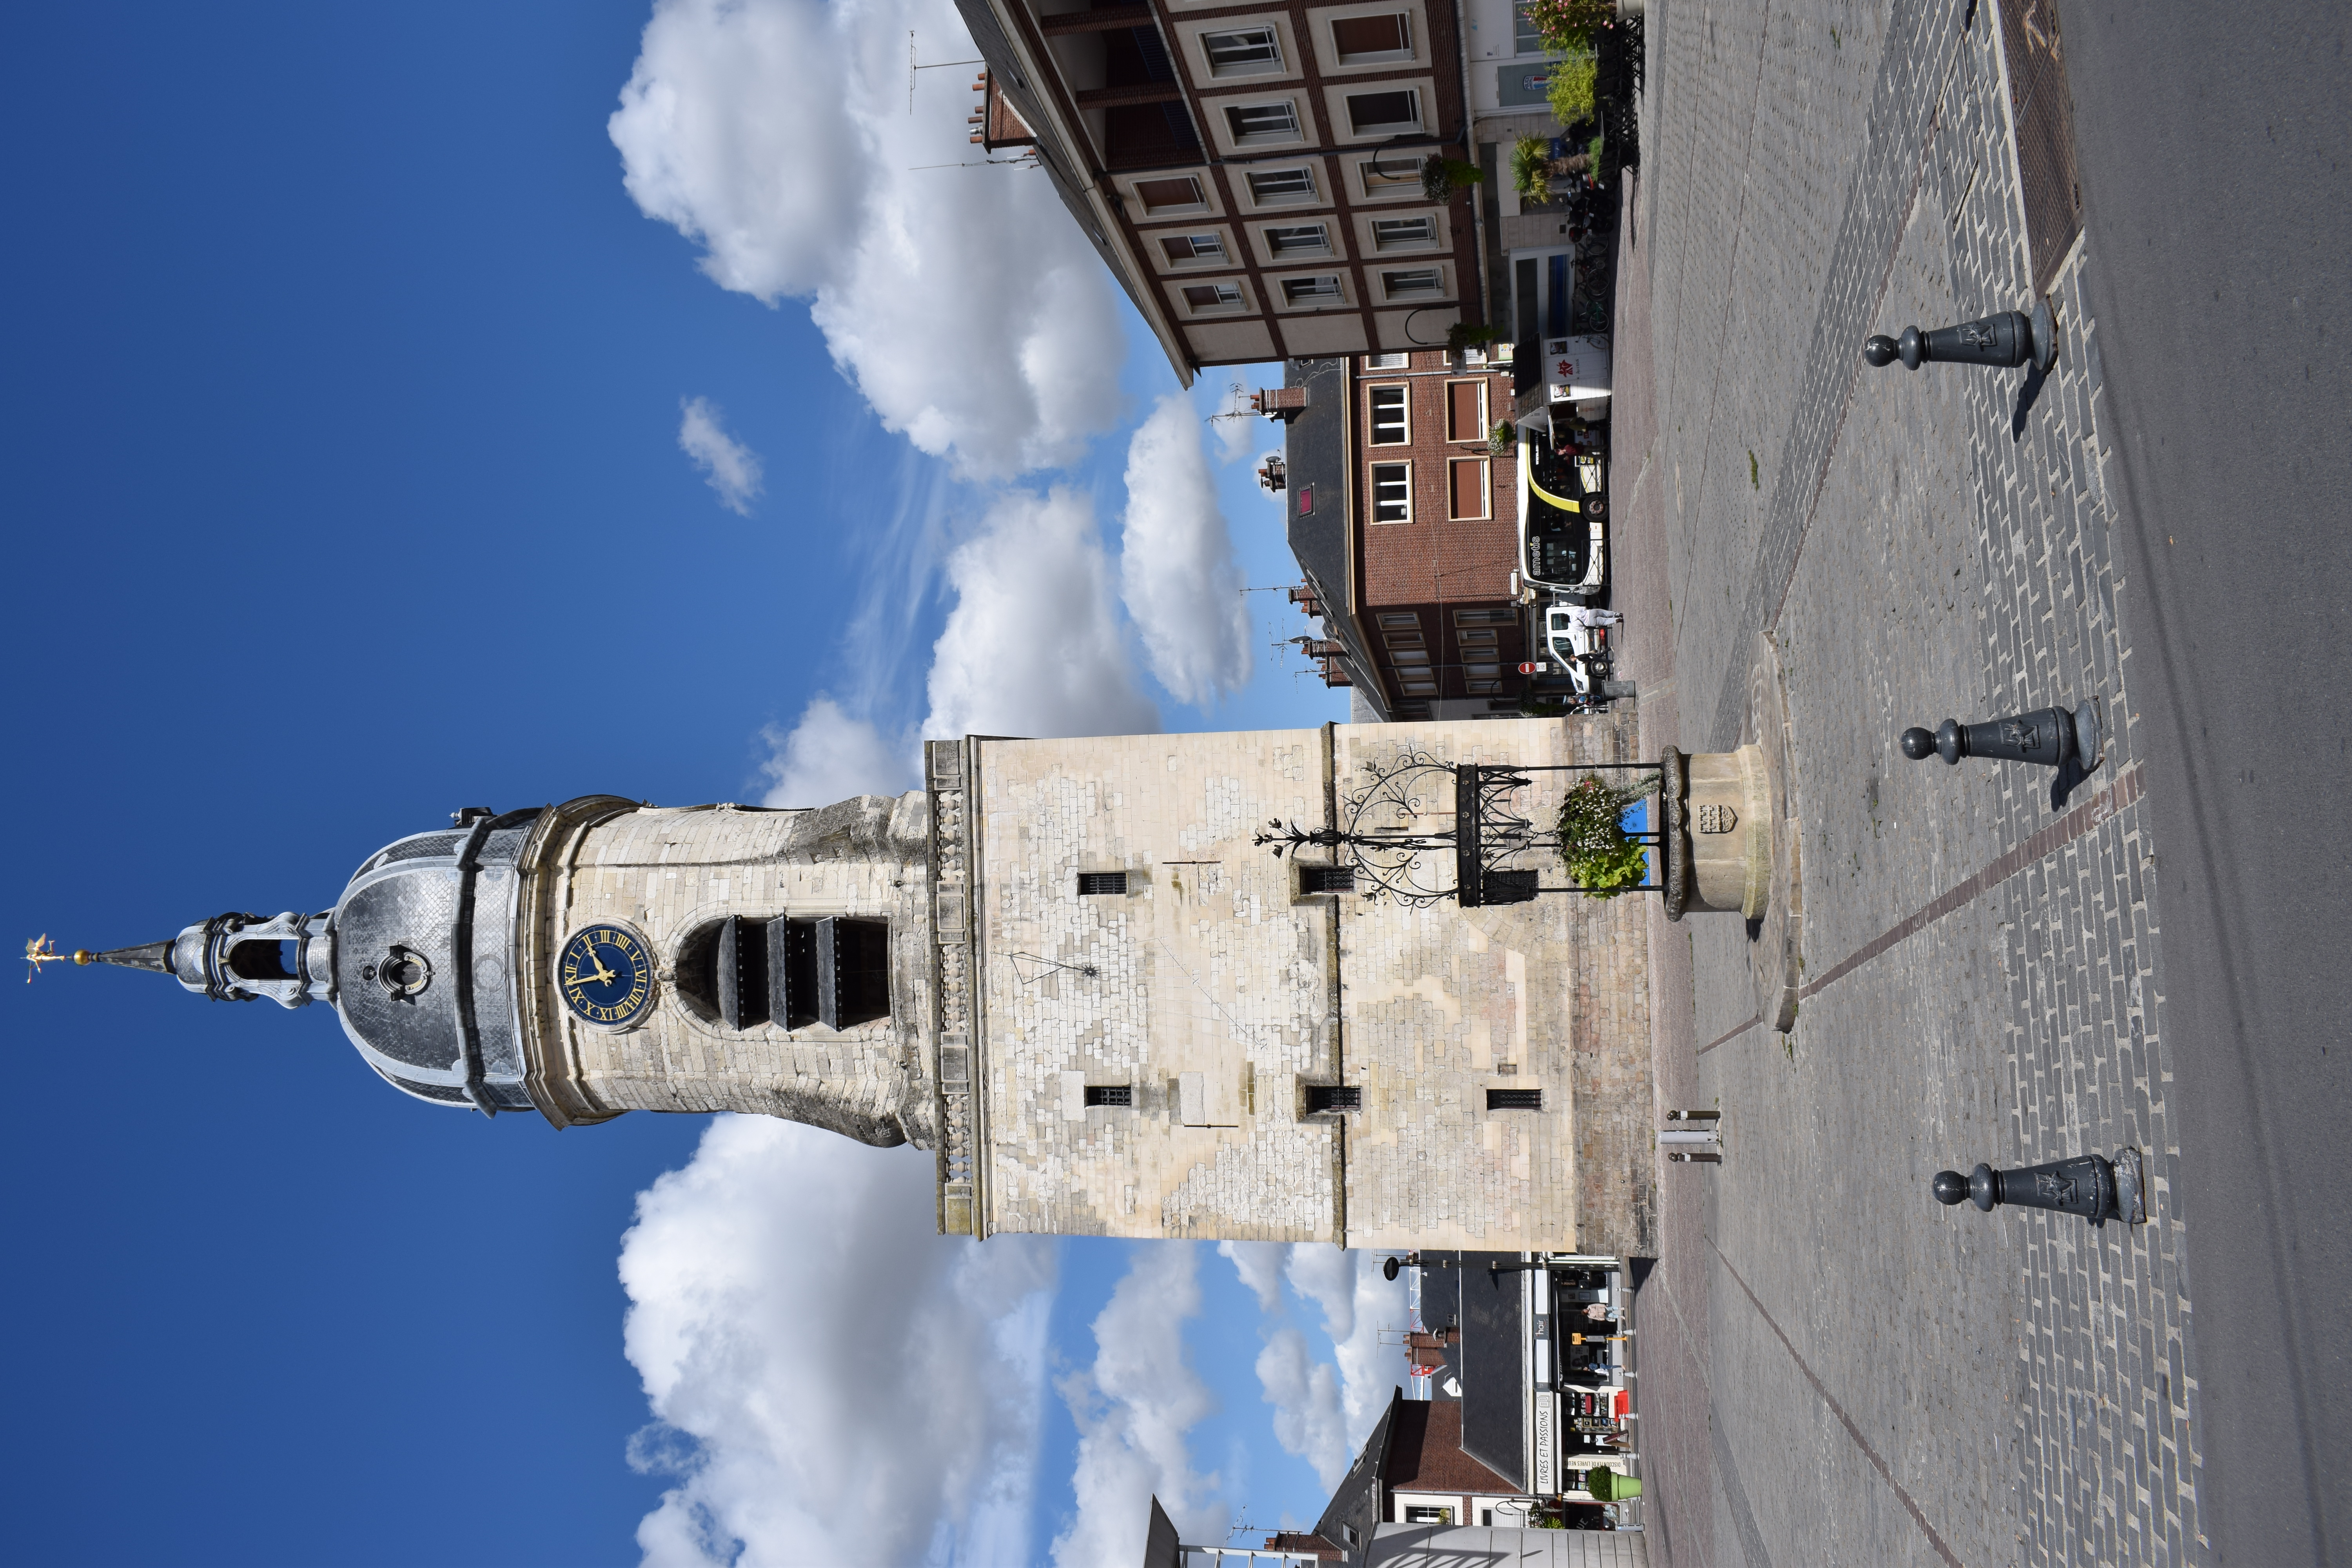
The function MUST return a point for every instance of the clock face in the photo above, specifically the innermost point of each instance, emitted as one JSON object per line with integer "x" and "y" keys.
{"x": 607, "y": 976}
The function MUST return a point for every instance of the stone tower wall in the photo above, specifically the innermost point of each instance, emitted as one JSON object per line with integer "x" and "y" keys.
{"x": 670, "y": 871}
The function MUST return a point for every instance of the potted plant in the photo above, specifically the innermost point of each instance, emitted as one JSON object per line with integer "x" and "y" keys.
{"x": 1531, "y": 168}
{"x": 1469, "y": 335}
{"x": 1570, "y": 87}
{"x": 1601, "y": 857}
{"x": 1441, "y": 176}
{"x": 1502, "y": 438}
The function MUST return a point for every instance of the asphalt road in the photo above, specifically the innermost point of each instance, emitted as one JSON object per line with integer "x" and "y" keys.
{"x": 2215, "y": 152}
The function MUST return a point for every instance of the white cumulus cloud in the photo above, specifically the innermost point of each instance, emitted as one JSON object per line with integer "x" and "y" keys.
{"x": 1176, "y": 568}
{"x": 1259, "y": 1264}
{"x": 728, "y": 467}
{"x": 1033, "y": 647}
{"x": 1304, "y": 1394}
{"x": 830, "y": 755}
{"x": 1323, "y": 1411}
{"x": 963, "y": 302}
{"x": 831, "y": 1381}
{"x": 1133, "y": 1408}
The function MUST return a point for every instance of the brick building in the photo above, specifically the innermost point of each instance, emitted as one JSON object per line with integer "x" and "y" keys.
{"x": 1405, "y": 529}
{"x": 1250, "y": 173}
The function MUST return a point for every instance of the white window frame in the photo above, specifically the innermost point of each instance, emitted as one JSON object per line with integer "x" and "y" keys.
{"x": 1276, "y": 253}
{"x": 1223, "y": 257}
{"x": 1312, "y": 196}
{"x": 1486, "y": 490}
{"x": 1308, "y": 290}
{"x": 1237, "y": 305}
{"x": 1397, "y": 179}
{"x": 1201, "y": 189}
{"x": 1483, "y": 422}
{"x": 1426, "y": 240}
{"x": 1294, "y": 130}
{"x": 1402, "y": 283}
{"x": 1269, "y": 37}
{"x": 1398, "y": 474}
{"x": 1376, "y": 57}
{"x": 1373, "y": 396}
{"x": 1412, "y": 95}
{"x": 1388, "y": 362}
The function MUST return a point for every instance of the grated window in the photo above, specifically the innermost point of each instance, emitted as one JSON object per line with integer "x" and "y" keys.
{"x": 1514, "y": 1099}
{"x": 1096, "y": 884}
{"x": 1325, "y": 1096}
{"x": 1327, "y": 878}
{"x": 1118, "y": 1094}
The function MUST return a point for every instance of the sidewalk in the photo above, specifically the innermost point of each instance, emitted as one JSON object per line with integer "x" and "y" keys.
{"x": 1836, "y": 1369}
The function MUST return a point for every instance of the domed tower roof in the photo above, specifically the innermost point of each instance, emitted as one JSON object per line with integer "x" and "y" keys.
{"x": 415, "y": 958}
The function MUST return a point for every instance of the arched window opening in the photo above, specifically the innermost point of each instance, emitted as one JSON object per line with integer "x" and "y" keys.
{"x": 262, "y": 960}
{"x": 745, "y": 971}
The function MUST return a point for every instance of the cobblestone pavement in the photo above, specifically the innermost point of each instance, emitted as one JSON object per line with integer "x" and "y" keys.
{"x": 1835, "y": 1369}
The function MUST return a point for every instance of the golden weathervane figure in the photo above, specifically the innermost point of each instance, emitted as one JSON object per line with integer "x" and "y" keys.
{"x": 38, "y": 952}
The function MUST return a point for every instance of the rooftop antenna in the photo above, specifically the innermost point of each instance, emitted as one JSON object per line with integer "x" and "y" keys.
{"x": 1236, "y": 411}
{"x": 937, "y": 65}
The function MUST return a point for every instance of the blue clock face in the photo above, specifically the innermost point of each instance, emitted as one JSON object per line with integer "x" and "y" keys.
{"x": 607, "y": 976}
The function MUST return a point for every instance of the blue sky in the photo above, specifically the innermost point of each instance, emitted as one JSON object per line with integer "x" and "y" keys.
{"x": 353, "y": 363}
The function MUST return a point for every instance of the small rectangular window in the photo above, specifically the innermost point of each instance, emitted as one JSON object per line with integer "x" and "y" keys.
{"x": 1396, "y": 171}
{"x": 1369, "y": 40}
{"x": 1327, "y": 1097}
{"x": 1279, "y": 187}
{"x": 1403, "y": 233}
{"x": 1514, "y": 1099}
{"x": 1298, "y": 239}
{"x": 1419, "y": 283}
{"x": 1403, "y": 639}
{"x": 1525, "y": 40}
{"x": 1310, "y": 291}
{"x": 1386, "y": 362}
{"x": 1327, "y": 878}
{"x": 1183, "y": 248}
{"x": 1389, "y": 406}
{"x": 1416, "y": 1514}
{"x": 1096, "y": 884}
{"x": 1484, "y": 636}
{"x": 1488, "y": 617}
{"x": 1118, "y": 1094}
{"x": 1400, "y": 618}
{"x": 1169, "y": 195}
{"x": 1466, "y": 490}
{"x": 1421, "y": 687}
{"x": 1407, "y": 656}
{"x": 1245, "y": 51}
{"x": 1379, "y": 113}
{"x": 1213, "y": 296}
{"x": 1392, "y": 492}
{"x": 1252, "y": 123}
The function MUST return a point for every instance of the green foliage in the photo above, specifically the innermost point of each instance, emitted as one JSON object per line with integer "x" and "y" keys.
{"x": 1469, "y": 335}
{"x": 1600, "y": 855}
{"x": 1531, "y": 168}
{"x": 1568, "y": 25}
{"x": 1442, "y": 177}
{"x": 1502, "y": 438}
{"x": 1570, "y": 89}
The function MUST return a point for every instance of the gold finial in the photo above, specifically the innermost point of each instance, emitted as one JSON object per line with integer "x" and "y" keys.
{"x": 38, "y": 952}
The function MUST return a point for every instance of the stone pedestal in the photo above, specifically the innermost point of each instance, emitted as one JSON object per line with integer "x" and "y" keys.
{"x": 1731, "y": 842}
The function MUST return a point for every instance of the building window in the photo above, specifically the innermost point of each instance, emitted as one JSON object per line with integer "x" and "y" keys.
{"x": 1253, "y": 125}
{"x": 1406, "y": 619}
{"x": 1311, "y": 291}
{"x": 1423, "y": 686}
{"x": 1101, "y": 884}
{"x": 1384, "y": 113}
{"x": 1282, "y": 187}
{"x": 1121, "y": 1095}
{"x": 1180, "y": 195}
{"x": 1298, "y": 239}
{"x": 1406, "y": 657}
{"x": 1390, "y": 175}
{"x": 1403, "y": 233}
{"x": 1192, "y": 250}
{"x": 1389, "y": 425}
{"x": 1327, "y": 878}
{"x": 1420, "y": 283}
{"x": 1466, "y": 410}
{"x": 1514, "y": 1099}
{"x": 1372, "y": 40}
{"x": 1525, "y": 40}
{"x": 1422, "y": 1513}
{"x": 1466, "y": 490}
{"x": 1488, "y": 617}
{"x": 1213, "y": 296}
{"x": 1322, "y": 1098}
{"x": 1480, "y": 637}
{"x": 1245, "y": 51}
{"x": 1392, "y": 492}
{"x": 1386, "y": 362}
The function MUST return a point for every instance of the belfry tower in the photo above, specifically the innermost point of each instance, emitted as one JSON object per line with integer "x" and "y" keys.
{"x": 1070, "y": 969}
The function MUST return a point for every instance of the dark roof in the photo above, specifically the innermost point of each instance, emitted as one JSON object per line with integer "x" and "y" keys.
{"x": 1315, "y": 454}
{"x": 1425, "y": 1453}
{"x": 1162, "y": 1548}
{"x": 1490, "y": 1360}
{"x": 1355, "y": 1504}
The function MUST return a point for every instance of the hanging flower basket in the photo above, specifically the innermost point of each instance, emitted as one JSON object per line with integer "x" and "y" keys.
{"x": 1601, "y": 857}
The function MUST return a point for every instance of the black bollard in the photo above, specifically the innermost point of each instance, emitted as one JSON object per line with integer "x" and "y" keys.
{"x": 2009, "y": 338}
{"x": 2090, "y": 1186}
{"x": 2051, "y": 736}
